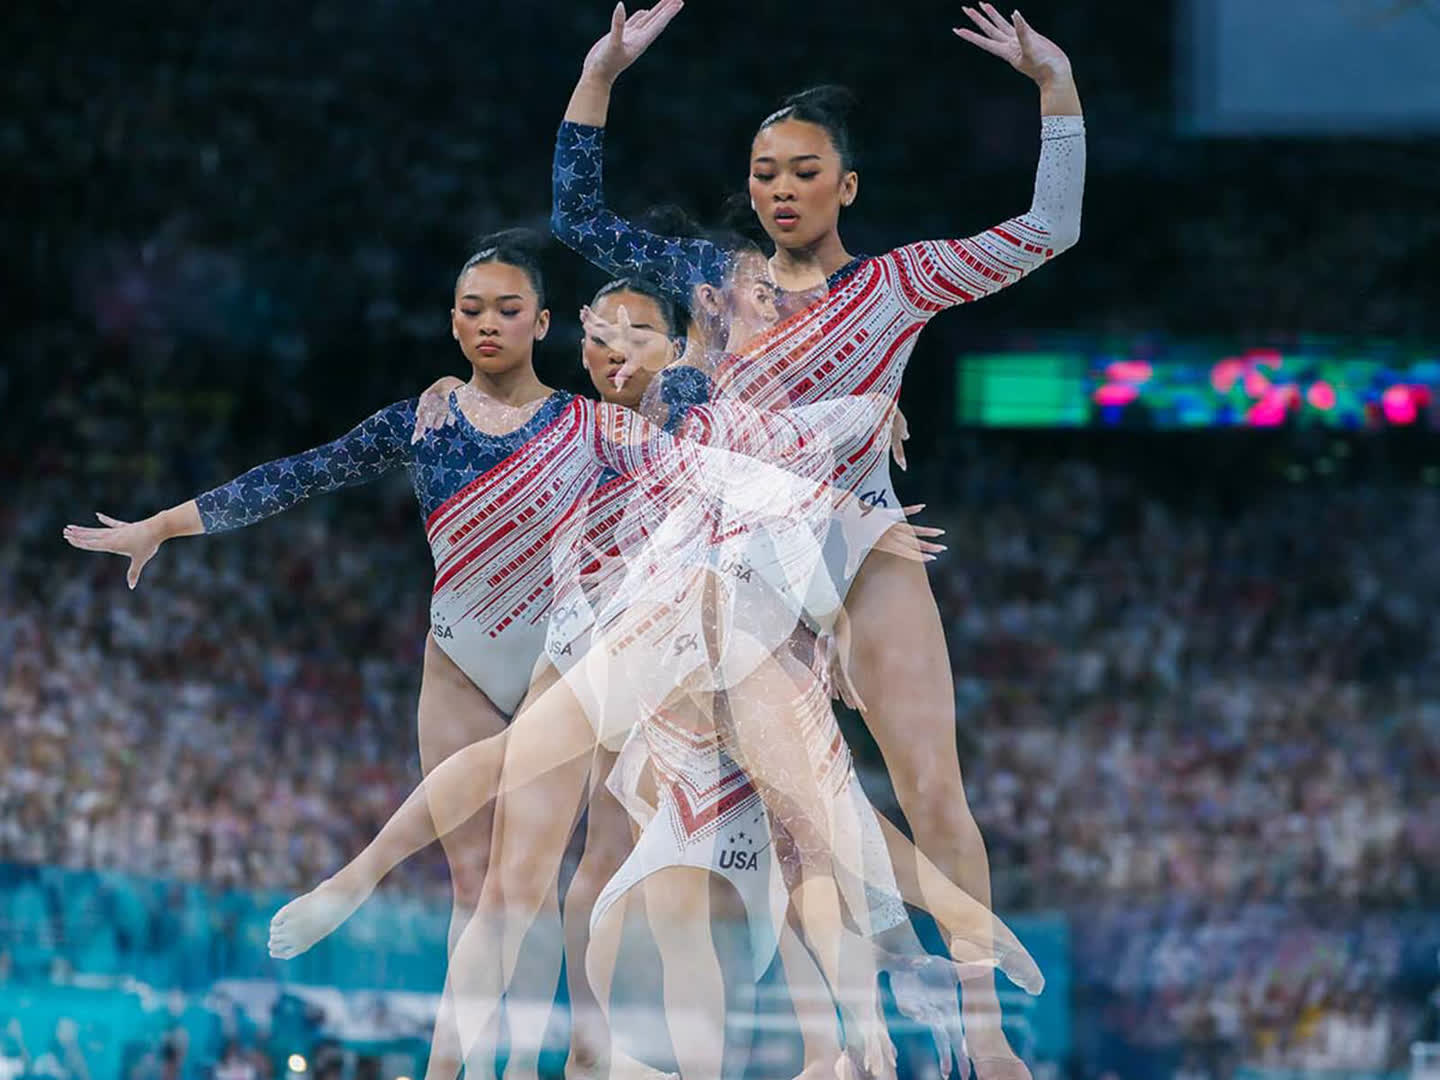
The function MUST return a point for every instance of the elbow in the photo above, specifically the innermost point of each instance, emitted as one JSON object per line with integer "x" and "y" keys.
{"x": 1066, "y": 236}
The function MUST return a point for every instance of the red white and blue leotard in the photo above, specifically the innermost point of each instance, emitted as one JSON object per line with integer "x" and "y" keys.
{"x": 857, "y": 336}
{"x": 491, "y": 505}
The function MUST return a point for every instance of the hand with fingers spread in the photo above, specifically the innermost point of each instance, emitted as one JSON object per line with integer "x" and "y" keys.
{"x": 913, "y": 542}
{"x": 1017, "y": 43}
{"x": 643, "y": 349}
{"x": 138, "y": 540}
{"x": 432, "y": 411}
{"x": 628, "y": 39}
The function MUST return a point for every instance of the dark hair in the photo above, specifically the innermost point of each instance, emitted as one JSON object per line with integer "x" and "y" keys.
{"x": 734, "y": 236}
{"x": 827, "y": 107}
{"x": 519, "y": 248}
{"x": 668, "y": 219}
{"x": 669, "y": 311}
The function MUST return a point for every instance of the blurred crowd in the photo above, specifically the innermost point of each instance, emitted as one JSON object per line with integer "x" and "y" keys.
{"x": 1211, "y": 711}
{"x": 1183, "y": 710}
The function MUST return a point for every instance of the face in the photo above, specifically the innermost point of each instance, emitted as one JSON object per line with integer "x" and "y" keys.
{"x": 797, "y": 186}
{"x": 750, "y": 296}
{"x": 496, "y": 318}
{"x": 602, "y": 362}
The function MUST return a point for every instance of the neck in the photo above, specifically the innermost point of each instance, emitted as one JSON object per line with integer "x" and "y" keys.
{"x": 806, "y": 267}
{"x": 518, "y": 386}
{"x": 697, "y": 344}
{"x": 741, "y": 334}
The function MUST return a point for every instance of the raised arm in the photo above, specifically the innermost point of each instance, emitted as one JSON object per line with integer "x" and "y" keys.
{"x": 942, "y": 273}
{"x": 579, "y": 216}
{"x": 372, "y": 448}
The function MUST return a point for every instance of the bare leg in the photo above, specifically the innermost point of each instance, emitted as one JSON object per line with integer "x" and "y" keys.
{"x": 453, "y": 713}
{"x": 608, "y": 840}
{"x": 547, "y": 759}
{"x": 814, "y": 1011}
{"x": 770, "y": 713}
{"x": 898, "y": 641}
{"x": 677, "y": 901}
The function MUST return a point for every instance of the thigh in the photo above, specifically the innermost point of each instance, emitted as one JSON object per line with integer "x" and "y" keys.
{"x": 898, "y": 641}
{"x": 453, "y": 711}
{"x": 452, "y": 714}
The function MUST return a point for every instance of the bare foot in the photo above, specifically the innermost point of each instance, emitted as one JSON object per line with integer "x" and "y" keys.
{"x": 868, "y": 1049}
{"x": 311, "y": 918}
{"x": 1017, "y": 964}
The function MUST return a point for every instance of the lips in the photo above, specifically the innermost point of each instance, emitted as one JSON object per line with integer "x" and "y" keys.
{"x": 785, "y": 218}
{"x": 488, "y": 348}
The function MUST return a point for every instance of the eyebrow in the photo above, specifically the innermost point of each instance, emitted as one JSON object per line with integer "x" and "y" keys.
{"x": 498, "y": 299}
{"x": 798, "y": 157}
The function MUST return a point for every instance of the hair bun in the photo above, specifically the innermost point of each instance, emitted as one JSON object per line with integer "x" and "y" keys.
{"x": 530, "y": 242}
{"x": 670, "y": 220}
{"x": 835, "y": 100}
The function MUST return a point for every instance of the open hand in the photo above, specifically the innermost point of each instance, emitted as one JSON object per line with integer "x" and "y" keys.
{"x": 137, "y": 540}
{"x": 628, "y": 39}
{"x": 1014, "y": 41}
{"x": 432, "y": 412}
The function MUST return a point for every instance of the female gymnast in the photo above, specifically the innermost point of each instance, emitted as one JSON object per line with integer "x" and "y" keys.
{"x": 492, "y": 489}
{"x": 676, "y": 864}
{"x": 553, "y": 732}
{"x": 853, "y": 324}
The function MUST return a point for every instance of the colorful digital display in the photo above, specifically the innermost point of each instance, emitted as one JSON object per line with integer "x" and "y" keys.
{"x": 1190, "y": 386}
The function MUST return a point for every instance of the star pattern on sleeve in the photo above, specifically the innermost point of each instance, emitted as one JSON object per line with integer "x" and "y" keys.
{"x": 369, "y": 450}
{"x": 581, "y": 219}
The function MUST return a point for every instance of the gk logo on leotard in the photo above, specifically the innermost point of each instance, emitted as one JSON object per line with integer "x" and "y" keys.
{"x": 874, "y": 498}
{"x": 686, "y": 643}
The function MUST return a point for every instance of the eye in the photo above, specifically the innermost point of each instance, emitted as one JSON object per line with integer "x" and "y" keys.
{"x": 469, "y": 314}
{"x": 511, "y": 313}
{"x": 764, "y": 178}
{"x": 808, "y": 175}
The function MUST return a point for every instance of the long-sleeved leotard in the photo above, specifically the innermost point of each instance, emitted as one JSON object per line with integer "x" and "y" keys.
{"x": 491, "y": 504}
{"x": 856, "y": 337}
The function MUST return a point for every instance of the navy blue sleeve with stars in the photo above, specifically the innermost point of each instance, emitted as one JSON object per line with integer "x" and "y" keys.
{"x": 373, "y": 448}
{"x": 682, "y": 388}
{"x": 581, "y": 220}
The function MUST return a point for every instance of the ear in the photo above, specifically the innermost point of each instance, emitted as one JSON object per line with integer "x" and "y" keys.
{"x": 453, "y": 332}
{"x": 849, "y": 187}
{"x": 708, "y": 298}
{"x": 542, "y": 325}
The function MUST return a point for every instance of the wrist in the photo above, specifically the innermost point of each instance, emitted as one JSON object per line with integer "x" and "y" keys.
{"x": 596, "y": 82}
{"x": 165, "y": 525}
{"x": 1053, "y": 77}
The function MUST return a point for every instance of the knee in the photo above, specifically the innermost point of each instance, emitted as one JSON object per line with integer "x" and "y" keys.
{"x": 520, "y": 878}
{"x": 467, "y": 879}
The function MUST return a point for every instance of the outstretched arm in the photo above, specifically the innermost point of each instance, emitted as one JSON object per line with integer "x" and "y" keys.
{"x": 938, "y": 274}
{"x": 579, "y": 216}
{"x": 369, "y": 450}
